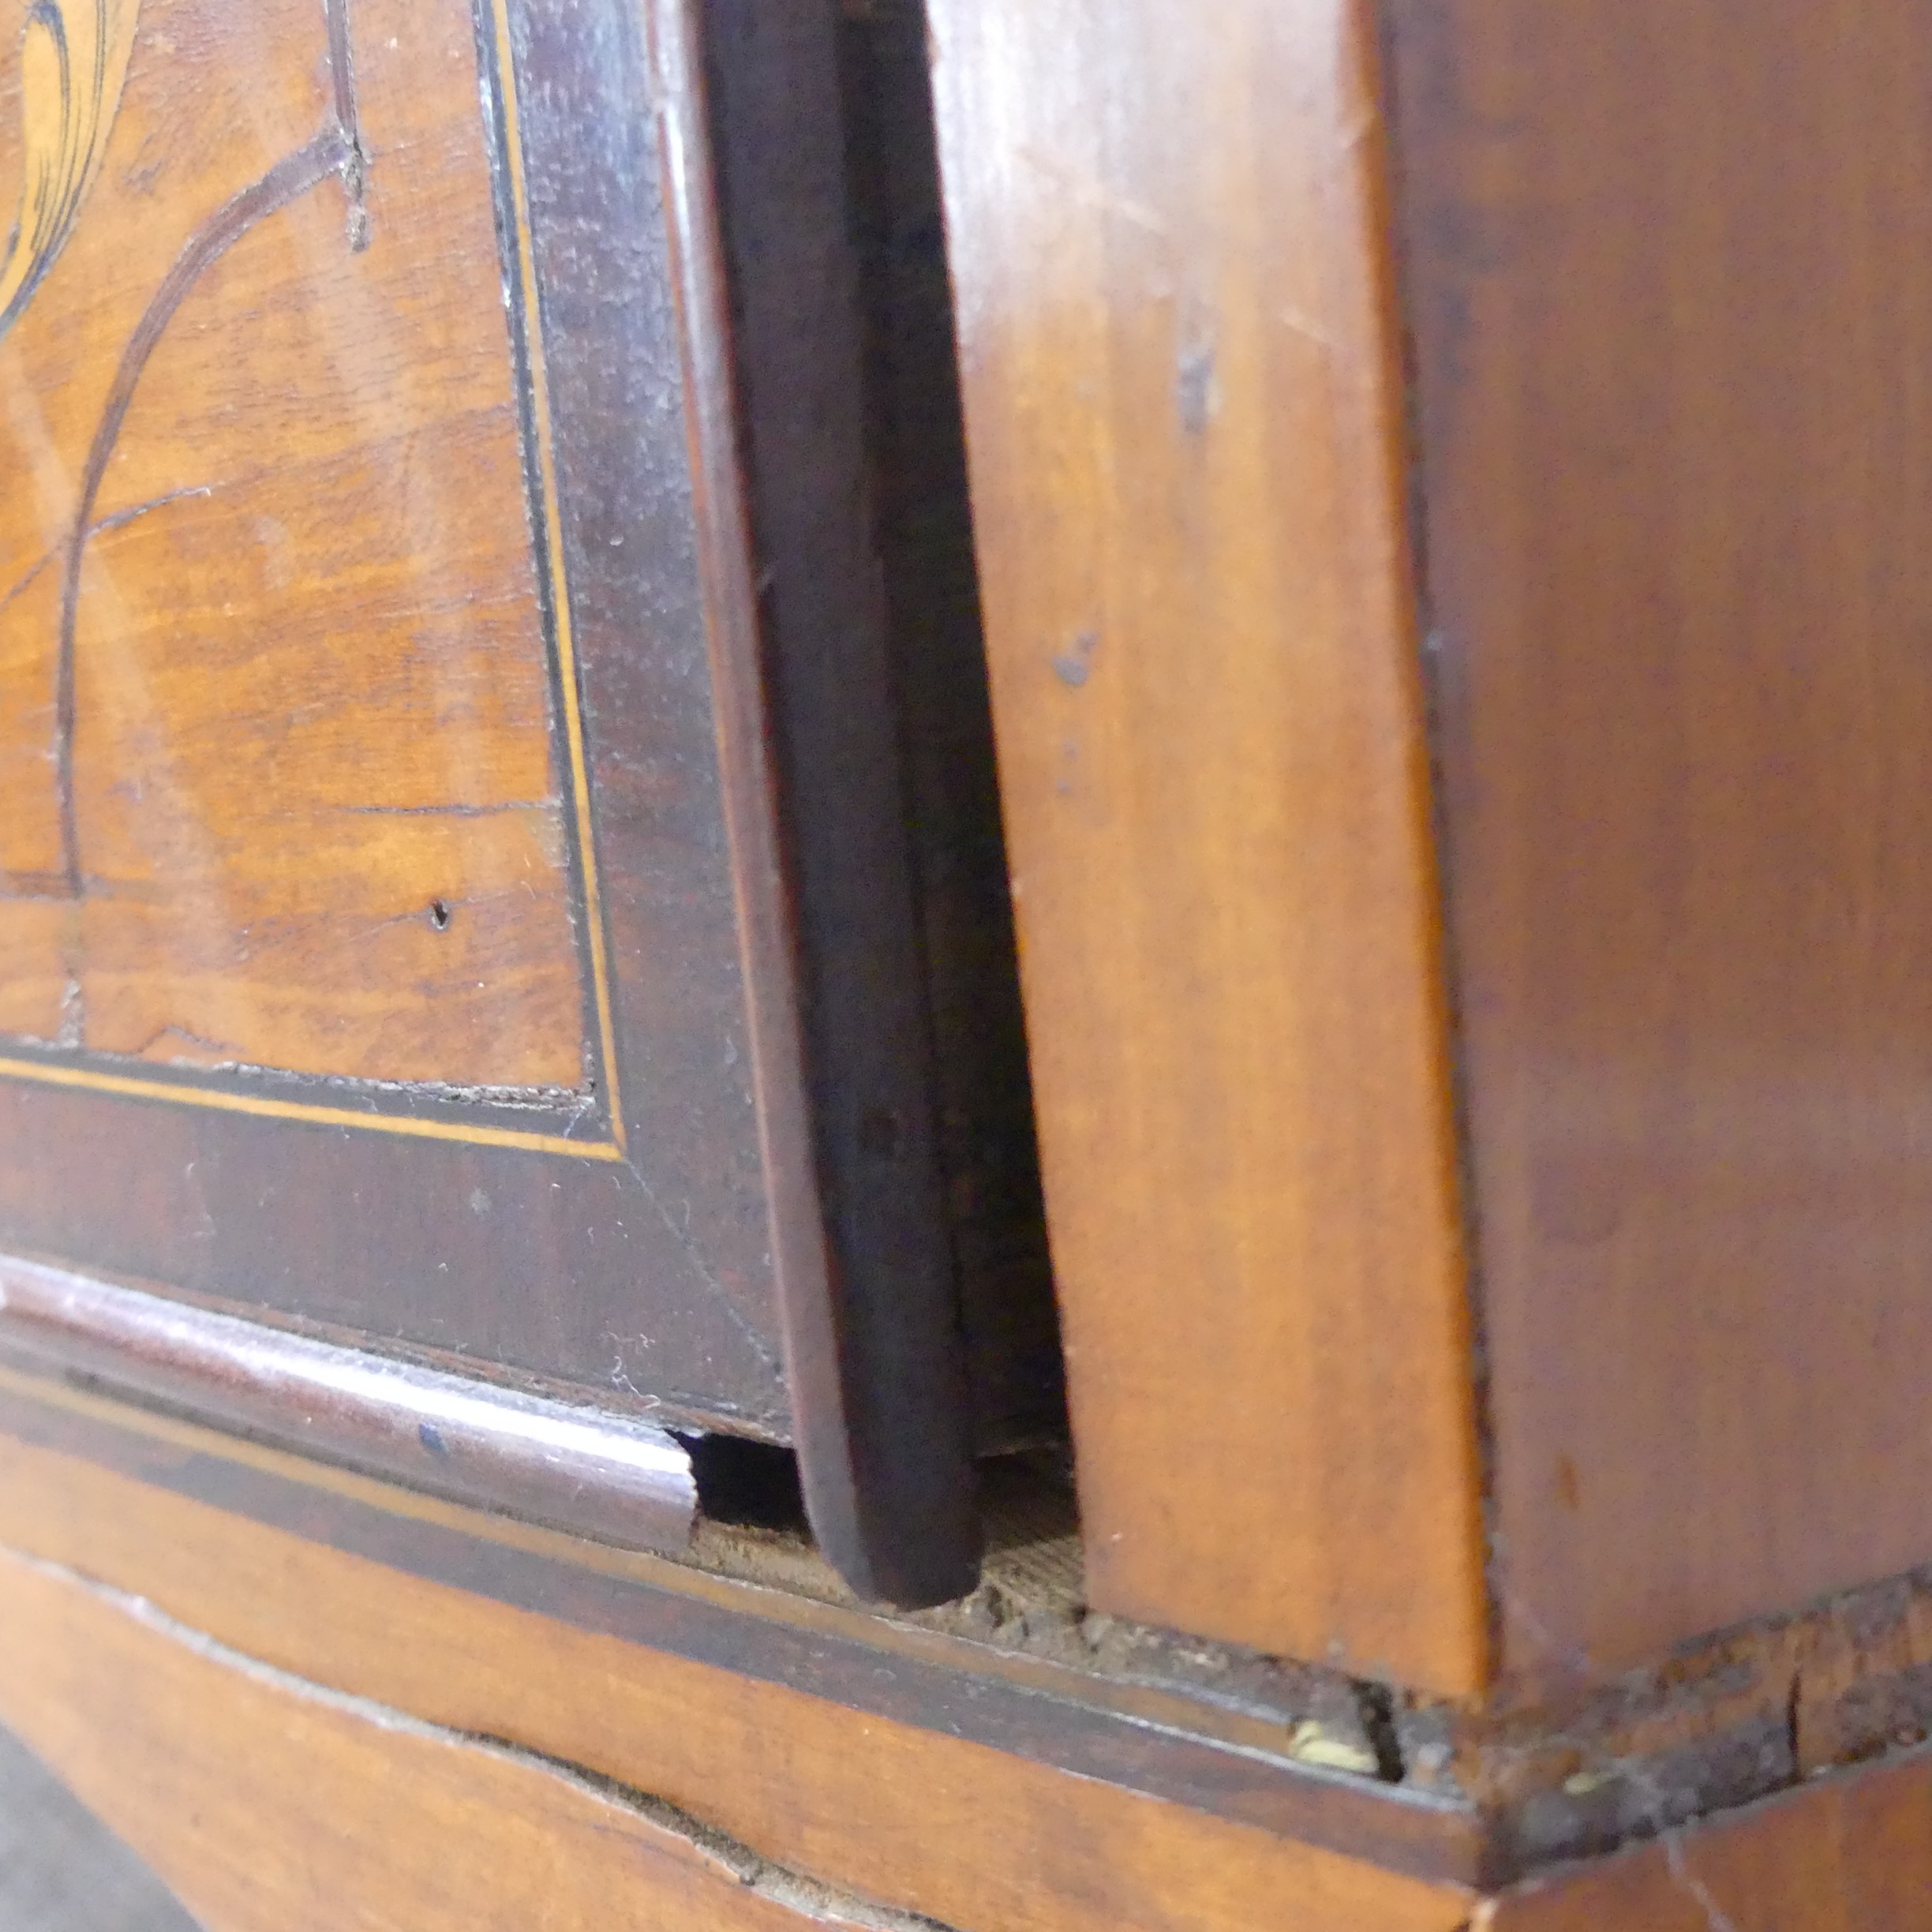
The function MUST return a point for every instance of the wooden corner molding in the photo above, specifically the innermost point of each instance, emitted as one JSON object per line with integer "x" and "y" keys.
{"x": 602, "y": 1475}
{"x": 1180, "y": 355}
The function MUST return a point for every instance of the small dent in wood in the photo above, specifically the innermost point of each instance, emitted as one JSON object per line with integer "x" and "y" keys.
{"x": 1074, "y": 665}
{"x": 1197, "y": 394}
{"x": 1568, "y": 1492}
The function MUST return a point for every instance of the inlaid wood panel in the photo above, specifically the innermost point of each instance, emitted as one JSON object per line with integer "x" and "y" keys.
{"x": 452, "y": 810}
{"x": 1673, "y": 340}
{"x": 351, "y": 624}
{"x": 1182, "y": 408}
{"x": 279, "y": 785}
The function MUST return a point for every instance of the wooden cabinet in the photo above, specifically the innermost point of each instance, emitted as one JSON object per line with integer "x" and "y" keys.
{"x": 710, "y": 710}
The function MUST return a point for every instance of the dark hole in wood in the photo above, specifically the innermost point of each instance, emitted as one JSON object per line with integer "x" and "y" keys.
{"x": 752, "y": 1484}
{"x": 439, "y": 914}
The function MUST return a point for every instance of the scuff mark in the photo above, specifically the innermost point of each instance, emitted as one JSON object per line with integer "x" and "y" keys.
{"x": 1085, "y": 192}
{"x": 1304, "y": 326}
{"x": 1570, "y": 1655}
{"x": 1366, "y": 124}
{"x": 446, "y": 811}
{"x": 120, "y": 520}
{"x": 228, "y": 1051}
{"x": 682, "y": 1237}
{"x": 72, "y": 1013}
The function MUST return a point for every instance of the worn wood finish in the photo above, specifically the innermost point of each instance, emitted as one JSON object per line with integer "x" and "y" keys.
{"x": 109, "y": 1687}
{"x": 271, "y": 1806}
{"x": 1851, "y": 1853}
{"x": 1675, "y": 427}
{"x": 987, "y": 1840}
{"x": 1182, "y": 416}
{"x": 602, "y": 1475}
{"x": 1236, "y": 1756}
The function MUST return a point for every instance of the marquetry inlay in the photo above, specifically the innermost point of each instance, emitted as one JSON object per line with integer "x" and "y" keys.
{"x": 287, "y": 777}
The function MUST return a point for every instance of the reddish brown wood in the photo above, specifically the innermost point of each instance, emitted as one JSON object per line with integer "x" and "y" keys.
{"x": 345, "y": 608}
{"x": 385, "y": 597}
{"x": 1144, "y": 1738}
{"x": 1676, "y": 441}
{"x": 1183, "y": 412}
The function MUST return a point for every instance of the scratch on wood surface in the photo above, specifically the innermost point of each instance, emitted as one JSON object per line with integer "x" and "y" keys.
{"x": 1086, "y": 192}
{"x": 1686, "y": 1881}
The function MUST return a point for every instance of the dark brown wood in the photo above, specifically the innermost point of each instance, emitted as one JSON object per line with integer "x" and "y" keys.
{"x": 1676, "y": 468}
{"x": 924, "y": 528}
{"x": 1137, "y": 1739}
{"x": 1183, "y": 409}
{"x": 875, "y": 1342}
{"x": 583, "y": 1470}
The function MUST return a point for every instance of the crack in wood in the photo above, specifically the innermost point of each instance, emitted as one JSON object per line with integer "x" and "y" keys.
{"x": 785, "y": 1885}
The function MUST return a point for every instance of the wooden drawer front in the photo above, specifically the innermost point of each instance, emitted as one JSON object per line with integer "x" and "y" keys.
{"x": 404, "y": 929}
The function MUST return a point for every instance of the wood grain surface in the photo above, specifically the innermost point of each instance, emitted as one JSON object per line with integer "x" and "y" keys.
{"x": 1182, "y": 408}
{"x": 1675, "y": 430}
{"x": 277, "y": 785}
{"x": 1851, "y": 1853}
{"x": 287, "y": 1802}
{"x": 1270, "y": 1747}
{"x": 267, "y": 1805}
{"x": 984, "y": 1840}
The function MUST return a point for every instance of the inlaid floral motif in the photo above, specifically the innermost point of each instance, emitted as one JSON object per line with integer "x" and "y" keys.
{"x": 74, "y": 62}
